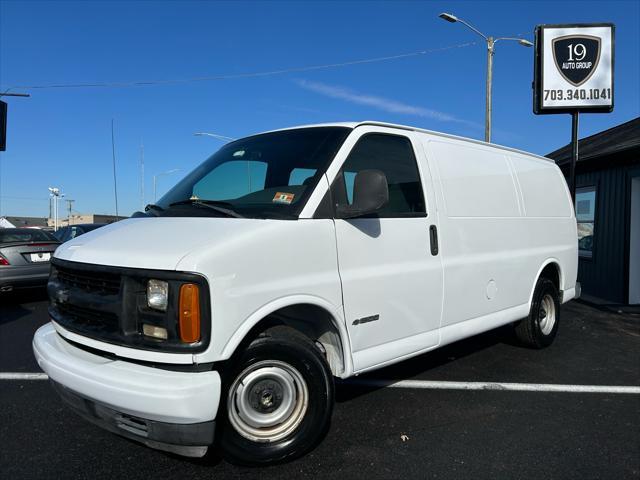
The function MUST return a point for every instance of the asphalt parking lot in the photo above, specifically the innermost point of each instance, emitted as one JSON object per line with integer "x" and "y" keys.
{"x": 380, "y": 432}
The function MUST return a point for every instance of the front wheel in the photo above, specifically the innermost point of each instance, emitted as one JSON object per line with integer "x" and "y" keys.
{"x": 539, "y": 329}
{"x": 279, "y": 399}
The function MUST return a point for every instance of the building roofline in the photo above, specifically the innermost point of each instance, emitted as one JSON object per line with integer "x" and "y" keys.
{"x": 562, "y": 155}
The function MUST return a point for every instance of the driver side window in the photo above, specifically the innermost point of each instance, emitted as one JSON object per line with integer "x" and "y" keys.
{"x": 393, "y": 155}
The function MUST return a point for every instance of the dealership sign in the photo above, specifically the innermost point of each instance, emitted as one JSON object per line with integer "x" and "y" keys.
{"x": 573, "y": 68}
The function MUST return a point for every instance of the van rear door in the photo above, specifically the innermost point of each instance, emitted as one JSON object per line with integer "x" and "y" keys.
{"x": 390, "y": 271}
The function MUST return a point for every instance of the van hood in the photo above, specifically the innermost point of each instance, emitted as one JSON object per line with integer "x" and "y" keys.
{"x": 159, "y": 242}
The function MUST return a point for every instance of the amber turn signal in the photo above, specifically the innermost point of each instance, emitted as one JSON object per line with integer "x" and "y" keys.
{"x": 189, "y": 313}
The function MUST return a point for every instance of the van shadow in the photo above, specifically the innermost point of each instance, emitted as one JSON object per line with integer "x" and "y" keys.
{"x": 346, "y": 391}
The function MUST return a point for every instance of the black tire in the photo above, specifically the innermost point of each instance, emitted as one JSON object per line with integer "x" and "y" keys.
{"x": 535, "y": 331}
{"x": 279, "y": 349}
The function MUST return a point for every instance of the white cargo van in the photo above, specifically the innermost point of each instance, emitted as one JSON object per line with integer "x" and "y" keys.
{"x": 222, "y": 315}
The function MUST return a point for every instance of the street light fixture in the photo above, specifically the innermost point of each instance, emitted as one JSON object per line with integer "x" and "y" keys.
{"x": 448, "y": 17}
{"x": 490, "y": 52}
{"x": 168, "y": 172}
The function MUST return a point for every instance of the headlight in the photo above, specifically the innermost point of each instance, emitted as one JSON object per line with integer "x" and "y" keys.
{"x": 158, "y": 294}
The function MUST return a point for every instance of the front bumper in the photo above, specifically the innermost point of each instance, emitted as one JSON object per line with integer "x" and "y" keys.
{"x": 190, "y": 440}
{"x": 161, "y": 408}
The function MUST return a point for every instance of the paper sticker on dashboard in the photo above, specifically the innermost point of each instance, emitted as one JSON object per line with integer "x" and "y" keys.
{"x": 281, "y": 197}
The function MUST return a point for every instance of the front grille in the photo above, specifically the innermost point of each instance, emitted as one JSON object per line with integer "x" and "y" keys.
{"x": 109, "y": 304}
{"x": 89, "y": 318}
{"x": 91, "y": 282}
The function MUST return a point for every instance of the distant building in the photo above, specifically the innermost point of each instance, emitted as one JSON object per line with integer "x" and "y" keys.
{"x": 85, "y": 218}
{"x": 608, "y": 212}
{"x": 47, "y": 223}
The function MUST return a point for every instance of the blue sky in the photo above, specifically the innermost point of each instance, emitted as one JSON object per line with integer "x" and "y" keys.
{"x": 61, "y": 136}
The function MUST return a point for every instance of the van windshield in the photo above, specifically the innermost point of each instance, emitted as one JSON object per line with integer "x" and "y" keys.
{"x": 265, "y": 176}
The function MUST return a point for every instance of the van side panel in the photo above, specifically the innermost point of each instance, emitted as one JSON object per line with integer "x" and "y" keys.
{"x": 476, "y": 182}
{"x": 492, "y": 250}
{"x": 543, "y": 188}
{"x": 551, "y": 223}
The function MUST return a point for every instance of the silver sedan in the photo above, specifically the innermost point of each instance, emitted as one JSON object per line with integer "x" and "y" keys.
{"x": 24, "y": 257}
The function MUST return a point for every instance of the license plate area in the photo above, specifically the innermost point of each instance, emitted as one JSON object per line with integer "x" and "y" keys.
{"x": 40, "y": 257}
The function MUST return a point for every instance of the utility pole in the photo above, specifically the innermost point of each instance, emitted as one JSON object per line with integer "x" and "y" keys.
{"x": 69, "y": 203}
{"x": 141, "y": 176}
{"x": 113, "y": 155}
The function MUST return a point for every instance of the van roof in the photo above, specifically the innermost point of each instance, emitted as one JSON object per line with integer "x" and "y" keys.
{"x": 416, "y": 129}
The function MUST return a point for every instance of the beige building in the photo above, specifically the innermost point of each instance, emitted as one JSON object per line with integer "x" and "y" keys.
{"x": 85, "y": 218}
{"x": 46, "y": 223}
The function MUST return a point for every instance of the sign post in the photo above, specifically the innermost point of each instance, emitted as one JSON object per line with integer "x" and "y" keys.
{"x": 573, "y": 73}
{"x": 574, "y": 154}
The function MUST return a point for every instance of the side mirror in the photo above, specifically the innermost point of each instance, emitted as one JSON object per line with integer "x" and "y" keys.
{"x": 370, "y": 193}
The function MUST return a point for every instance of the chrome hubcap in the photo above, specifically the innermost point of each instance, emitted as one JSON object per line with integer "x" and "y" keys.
{"x": 267, "y": 401}
{"x": 547, "y": 314}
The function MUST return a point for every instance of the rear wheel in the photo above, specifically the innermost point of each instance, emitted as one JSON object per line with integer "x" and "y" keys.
{"x": 279, "y": 399}
{"x": 539, "y": 329}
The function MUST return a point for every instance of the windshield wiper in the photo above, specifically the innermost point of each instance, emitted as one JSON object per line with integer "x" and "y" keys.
{"x": 212, "y": 204}
{"x": 153, "y": 206}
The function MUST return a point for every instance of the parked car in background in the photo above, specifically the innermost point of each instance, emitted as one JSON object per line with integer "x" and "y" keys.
{"x": 24, "y": 257}
{"x": 65, "y": 234}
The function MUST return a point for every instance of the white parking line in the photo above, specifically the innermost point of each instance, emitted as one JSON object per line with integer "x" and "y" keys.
{"x": 23, "y": 376}
{"x": 517, "y": 387}
{"x": 432, "y": 385}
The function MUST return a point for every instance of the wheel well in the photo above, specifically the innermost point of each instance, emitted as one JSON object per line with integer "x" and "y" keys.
{"x": 552, "y": 272}
{"x": 315, "y": 323}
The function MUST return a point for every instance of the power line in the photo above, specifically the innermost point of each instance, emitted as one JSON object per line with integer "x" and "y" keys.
{"x": 144, "y": 83}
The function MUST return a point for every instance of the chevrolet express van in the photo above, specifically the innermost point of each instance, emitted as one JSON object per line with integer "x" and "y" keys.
{"x": 222, "y": 314}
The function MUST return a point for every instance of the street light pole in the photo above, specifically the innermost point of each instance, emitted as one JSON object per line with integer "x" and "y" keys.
{"x": 55, "y": 193}
{"x": 491, "y": 42}
{"x": 488, "y": 100}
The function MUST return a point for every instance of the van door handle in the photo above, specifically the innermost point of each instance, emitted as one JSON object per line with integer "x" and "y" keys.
{"x": 433, "y": 237}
